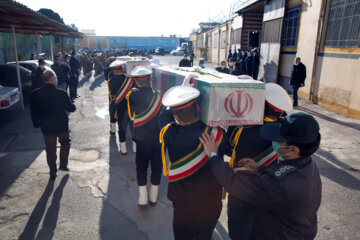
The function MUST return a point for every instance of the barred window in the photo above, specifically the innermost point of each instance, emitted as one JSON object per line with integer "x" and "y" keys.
{"x": 216, "y": 36}
{"x": 342, "y": 30}
{"x": 291, "y": 27}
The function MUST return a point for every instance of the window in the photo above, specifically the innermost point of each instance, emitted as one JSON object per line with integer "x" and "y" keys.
{"x": 236, "y": 36}
{"x": 216, "y": 37}
{"x": 223, "y": 39}
{"x": 208, "y": 41}
{"x": 291, "y": 27}
{"x": 342, "y": 30}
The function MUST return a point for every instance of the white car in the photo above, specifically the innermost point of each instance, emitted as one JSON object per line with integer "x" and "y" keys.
{"x": 178, "y": 52}
{"x": 9, "y": 101}
{"x": 33, "y": 64}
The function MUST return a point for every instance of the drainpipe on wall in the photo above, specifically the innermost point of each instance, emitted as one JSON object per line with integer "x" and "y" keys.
{"x": 317, "y": 47}
{"x": 219, "y": 45}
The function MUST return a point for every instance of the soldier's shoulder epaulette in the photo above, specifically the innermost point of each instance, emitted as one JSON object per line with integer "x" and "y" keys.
{"x": 281, "y": 171}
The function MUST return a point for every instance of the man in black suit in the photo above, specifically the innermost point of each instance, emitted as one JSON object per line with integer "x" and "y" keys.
{"x": 36, "y": 75}
{"x": 49, "y": 106}
{"x": 185, "y": 62}
{"x": 223, "y": 68}
{"x": 297, "y": 79}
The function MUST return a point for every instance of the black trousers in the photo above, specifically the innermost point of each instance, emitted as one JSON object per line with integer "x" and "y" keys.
{"x": 241, "y": 218}
{"x": 195, "y": 219}
{"x": 74, "y": 81}
{"x": 148, "y": 152}
{"x": 295, "y": 94}
{"x": 112, "y": 109}
{"x": 123, "y": 121}
{"x": 50, "y": 147}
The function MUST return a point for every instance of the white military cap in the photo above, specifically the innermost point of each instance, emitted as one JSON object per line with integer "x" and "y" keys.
{"x": 140, "y": 71}
{"x": 116, "y": 64}
{"x": 278, "y": 98}
{"x": 180, "y": 97}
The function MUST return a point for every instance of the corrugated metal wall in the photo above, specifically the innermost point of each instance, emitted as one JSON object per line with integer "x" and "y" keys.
{"x": 252, "y": 22}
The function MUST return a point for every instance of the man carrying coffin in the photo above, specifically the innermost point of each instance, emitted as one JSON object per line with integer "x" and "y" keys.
{"x": 247, "y": 143}
{"x": 119, "y": 85}
{"x": 107, "y": 71}
{"x": 193, "y": 190}
{"x": 144, "y": 105}
{"x": 287, "y": 194}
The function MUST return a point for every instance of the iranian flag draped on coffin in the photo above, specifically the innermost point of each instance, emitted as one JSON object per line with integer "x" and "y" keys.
{"x": 224, "y": 99}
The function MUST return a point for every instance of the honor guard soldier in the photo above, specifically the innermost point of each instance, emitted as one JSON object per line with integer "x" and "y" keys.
{"x": 111, "y": 103}
{"x": 247, "y": 143}
{"x": 144, "y": 105}
{"x": 119, "y": 85}
{"x": 287, "y": 193}
{"x": 193, "y": 190}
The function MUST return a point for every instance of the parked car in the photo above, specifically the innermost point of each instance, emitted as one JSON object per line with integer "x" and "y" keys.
{"x": 159, "y": 51}
{"x": 178, "y": 52}
{"x": 9, "y": 101}
{"x": 33, "y": 64}
{"x": 8, "y": 78}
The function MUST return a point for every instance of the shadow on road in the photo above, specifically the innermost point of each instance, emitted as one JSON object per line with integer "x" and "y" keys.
{"x": 97, "y": 82}
{"x": 84, "y": 79}
{"x": 330, "y": 119}
{"x": 37, "y": 214}
{"x": 50, "y": 220}
{"x": 220, "y": 233}
{"x": 338, "y": 175}
{"x": 51, "y": 217}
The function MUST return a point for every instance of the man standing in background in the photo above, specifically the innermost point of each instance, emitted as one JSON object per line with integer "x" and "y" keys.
{"x": 36, "y": 75}
{"x": 297, "y": 79}
{"x": 57, "y": 68}
{"x": 74, "y": 81}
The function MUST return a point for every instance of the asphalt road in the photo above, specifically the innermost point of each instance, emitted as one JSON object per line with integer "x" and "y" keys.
{"x": 97, "y": 199}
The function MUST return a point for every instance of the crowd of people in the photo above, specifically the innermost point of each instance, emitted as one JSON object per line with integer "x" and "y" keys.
{"x": 241, "y": 62}
{"x": 268, "y": 163}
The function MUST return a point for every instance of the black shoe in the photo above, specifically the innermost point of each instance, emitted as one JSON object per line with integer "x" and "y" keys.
{"x": 295, "y": 105}
{"x": 64, "y": 169}
{"x": 52, "y": 177}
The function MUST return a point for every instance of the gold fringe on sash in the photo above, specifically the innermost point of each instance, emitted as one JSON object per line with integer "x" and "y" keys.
{"x": 132, "y": 117}
{"x": 234, "y": 142}
{"x": 161, "y": 139}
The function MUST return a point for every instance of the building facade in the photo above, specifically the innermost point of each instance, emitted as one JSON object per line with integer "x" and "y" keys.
{"x": 325, "y": 34}
{"x": 112, "y": 42}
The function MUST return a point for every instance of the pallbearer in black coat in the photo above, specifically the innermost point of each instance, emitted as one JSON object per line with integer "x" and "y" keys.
{"x": 247, "y": 143}
{"x": 119, "y": 85}
{"x": 107, "y": 71}
{"x": 143, "y": 107}
{"x": 193, "y": 190}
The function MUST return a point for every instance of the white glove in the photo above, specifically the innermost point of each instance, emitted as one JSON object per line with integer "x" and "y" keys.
{"x": 190, "y": 80}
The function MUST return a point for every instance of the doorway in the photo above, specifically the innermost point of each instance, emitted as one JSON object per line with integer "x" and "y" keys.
{"x": 254, "y": 38}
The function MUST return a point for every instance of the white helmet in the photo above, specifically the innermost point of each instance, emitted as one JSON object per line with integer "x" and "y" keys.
{"x": 277, "y": 97}
{"x": 179, "y": 95}
{"x": 141, "y": 71}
